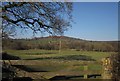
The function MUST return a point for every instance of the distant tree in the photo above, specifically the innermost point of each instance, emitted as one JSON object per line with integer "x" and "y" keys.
{"x": 51, "y": 17}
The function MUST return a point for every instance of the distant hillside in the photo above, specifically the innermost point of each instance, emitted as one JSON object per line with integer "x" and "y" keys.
{"x": 54, "y": 43}
{"x": 58, "y": 37}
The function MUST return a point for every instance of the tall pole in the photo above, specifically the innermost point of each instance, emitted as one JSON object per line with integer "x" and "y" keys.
{"x": 60, "y": 44}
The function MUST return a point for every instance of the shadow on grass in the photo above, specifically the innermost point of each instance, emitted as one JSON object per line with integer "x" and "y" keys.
{"x": 18, "y": 79}
{"x": 41, "y": 53}
{"x": 92, "y": 76}
{"x": 70, "y": 57}
{"x": 6, "y": 56}
{"x": 65, "y": 77}
{"x": 30, "y": 68}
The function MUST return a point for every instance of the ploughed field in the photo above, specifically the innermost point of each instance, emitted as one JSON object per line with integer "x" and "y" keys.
{"x": 51, "y": 63}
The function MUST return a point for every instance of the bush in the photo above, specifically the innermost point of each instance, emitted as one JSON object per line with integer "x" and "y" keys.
{"x": 116, "y": 66}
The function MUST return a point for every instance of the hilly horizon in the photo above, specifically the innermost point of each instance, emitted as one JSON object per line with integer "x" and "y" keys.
{"x": 68, "y": 37}
{"x": 59, "y": 42}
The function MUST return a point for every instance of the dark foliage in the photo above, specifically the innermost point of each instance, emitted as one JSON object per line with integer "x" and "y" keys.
{"x": 51, "y": 17}
{"x": 116, "y": 66}
{"x": 53, "y": 43}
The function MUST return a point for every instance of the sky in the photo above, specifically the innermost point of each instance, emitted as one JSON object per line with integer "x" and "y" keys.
{"x": 97, "y": 21}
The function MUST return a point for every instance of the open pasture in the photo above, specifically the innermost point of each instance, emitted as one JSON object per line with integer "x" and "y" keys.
{"x": 35, "y": 54}
{"x": 53, "y": 62}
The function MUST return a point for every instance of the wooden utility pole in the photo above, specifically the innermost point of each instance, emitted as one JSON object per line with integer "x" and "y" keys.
{"x": 60, "y": 42}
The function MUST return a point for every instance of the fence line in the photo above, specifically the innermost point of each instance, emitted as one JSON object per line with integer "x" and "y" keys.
{"x": 104, "y": 73}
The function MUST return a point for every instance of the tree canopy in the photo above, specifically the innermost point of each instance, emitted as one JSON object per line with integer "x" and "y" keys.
{"x": 51, "y": 17}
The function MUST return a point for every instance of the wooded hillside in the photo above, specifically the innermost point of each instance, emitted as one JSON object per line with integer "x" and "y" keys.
{"x": 54, "y": 43}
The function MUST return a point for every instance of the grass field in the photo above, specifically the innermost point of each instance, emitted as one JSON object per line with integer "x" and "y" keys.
{"x": 36, "y": 53}
{"x": 64, "y": 61}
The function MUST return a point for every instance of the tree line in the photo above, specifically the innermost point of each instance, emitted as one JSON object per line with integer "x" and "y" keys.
{"x": 53, "y": 43}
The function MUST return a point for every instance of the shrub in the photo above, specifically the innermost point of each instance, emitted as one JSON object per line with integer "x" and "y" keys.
{"x": 116, "y": 66}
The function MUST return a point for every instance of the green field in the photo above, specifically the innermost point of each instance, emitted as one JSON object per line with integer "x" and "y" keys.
{"x": 35, "y": 54}
{"x": 63, "y": 62}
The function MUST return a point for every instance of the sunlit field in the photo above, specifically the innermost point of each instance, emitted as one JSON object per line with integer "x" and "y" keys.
{"x": 49, "y": 63}
{"x": 36, "y": 54}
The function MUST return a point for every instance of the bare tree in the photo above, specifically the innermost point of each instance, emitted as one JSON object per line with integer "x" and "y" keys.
{"x": 51, "y": 17}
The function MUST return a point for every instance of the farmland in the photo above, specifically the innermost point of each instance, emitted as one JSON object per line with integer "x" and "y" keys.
{"x": 50, "y": 63}
{"x": 51, "y": 57}
{"x": 36, "y": 54}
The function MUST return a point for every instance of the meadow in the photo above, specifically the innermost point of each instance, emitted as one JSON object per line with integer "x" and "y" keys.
{"x": 35, "y": 54}
{"x": 50, "y": 63}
